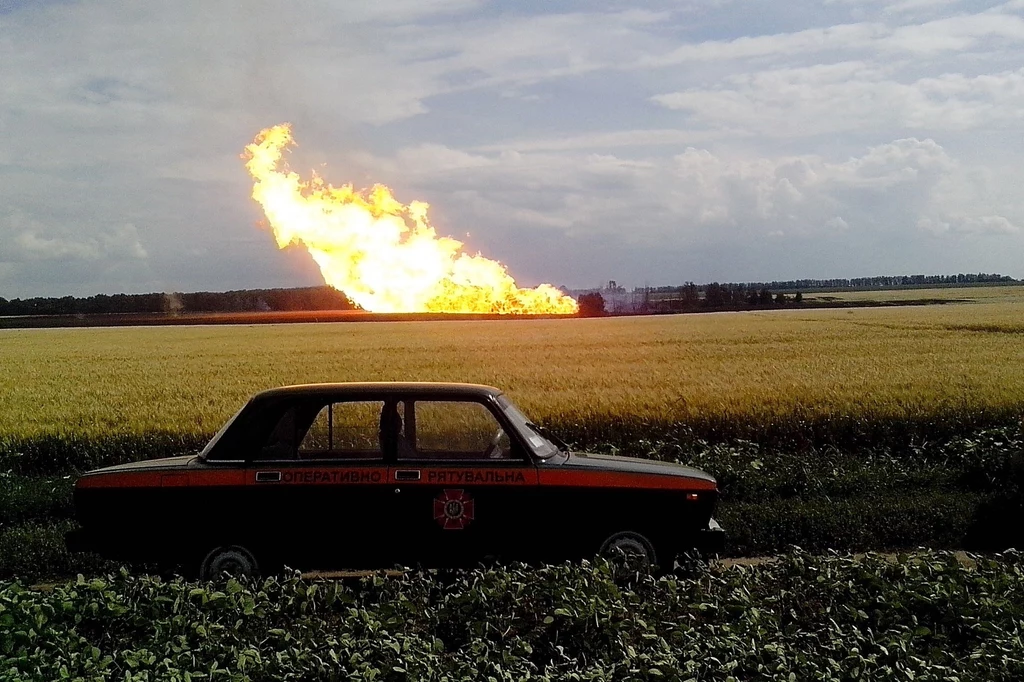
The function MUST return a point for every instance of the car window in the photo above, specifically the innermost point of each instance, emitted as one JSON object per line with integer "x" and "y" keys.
{"x": 280, "y": 444}
{"x": 344, "y": 430}
{"x": 449, "y": 429}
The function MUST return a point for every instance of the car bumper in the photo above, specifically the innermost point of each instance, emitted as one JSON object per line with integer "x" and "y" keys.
{"x": 712, "y": 538}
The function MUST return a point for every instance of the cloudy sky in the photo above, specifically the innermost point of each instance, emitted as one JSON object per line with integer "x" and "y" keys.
{"x": 577, "y": 142}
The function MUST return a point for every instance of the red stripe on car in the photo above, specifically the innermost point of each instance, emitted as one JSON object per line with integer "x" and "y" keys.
{"x": 617, "y": 479}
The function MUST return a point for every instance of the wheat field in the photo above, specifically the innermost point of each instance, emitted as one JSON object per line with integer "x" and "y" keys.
{"x": 762, "y": 367}
{"x": 978, "y": 294}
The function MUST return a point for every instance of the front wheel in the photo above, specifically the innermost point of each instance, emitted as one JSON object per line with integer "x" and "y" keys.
{"x": 234, "y": 560}
{"x": 630, "y": 552}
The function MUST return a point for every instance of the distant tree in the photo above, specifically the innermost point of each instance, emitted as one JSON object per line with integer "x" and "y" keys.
{"x": 714, "y": 295}
{"x": 780, "y": 299}
{"x": 799, "y": 298}
{"x": 591, "y": 305}
{"x": 764, "y": 297}
{"x": 689, "y": 294}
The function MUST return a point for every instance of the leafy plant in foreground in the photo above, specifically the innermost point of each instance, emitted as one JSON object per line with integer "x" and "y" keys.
{"x": 926, "y": 616}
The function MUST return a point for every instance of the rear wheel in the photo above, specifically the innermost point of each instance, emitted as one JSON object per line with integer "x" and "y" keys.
{"x": 629, "y": 552}
{"x": 234, "y": 560}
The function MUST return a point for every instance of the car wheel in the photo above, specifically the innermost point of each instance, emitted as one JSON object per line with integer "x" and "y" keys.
{"x": 234, "y": 560}
{"x": 630, "y": 552}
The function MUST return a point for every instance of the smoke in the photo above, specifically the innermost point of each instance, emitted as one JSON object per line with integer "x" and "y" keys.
{"x": 173, "y": 304}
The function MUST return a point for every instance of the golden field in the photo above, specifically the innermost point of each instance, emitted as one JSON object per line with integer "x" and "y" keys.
{"x": 978, "y": 294}
{"x": 763, "y": 367}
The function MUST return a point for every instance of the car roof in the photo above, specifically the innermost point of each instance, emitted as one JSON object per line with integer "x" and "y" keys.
{"x": 228, "y": 437}
{"x": 382, "y": 388}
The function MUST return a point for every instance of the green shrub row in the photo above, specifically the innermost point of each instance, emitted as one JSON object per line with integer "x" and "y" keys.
{"x": 953, "y": 439}
{"x": 811, "y": 430}
{"x": 36, "y": 551}
{"x": 35, "y": 498}
{"x": 58, "y": 455}
{"x": 931, "y": 616}
{"x": 984, "y": 461}
{"x": 872, "y": 522}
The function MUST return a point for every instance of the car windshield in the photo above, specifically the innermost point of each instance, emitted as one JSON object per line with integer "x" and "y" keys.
{"x": 535, "y": 440}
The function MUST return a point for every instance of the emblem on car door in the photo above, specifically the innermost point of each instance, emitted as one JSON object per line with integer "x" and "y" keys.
{"x": 453, "y": 509}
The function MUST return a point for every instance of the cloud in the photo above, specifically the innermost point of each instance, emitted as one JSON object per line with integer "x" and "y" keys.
{"x": 29, "y": 246}
{"x": 27, "y": 240}
{"x": 876, "y": 128}
{"x": 895, "y": 188}
{"x": 436, "y": 157}
{"x": 838, "y": 37}
{"x": 992, "y": 224}
{"x": 948, "y": 34}
{"x": 853, "y": 96}
{"x": 918, "y": 5}
{"x": 612, "y": 140}
{"x": 957, "y": 34}
{"x": 803, "y": 194}
{"x": 59, "y": 260}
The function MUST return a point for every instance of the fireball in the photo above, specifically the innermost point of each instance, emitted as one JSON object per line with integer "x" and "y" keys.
{"x": 383, "y": 254}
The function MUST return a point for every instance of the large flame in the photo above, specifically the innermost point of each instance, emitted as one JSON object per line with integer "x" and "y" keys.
{"x": 383, "y": 254}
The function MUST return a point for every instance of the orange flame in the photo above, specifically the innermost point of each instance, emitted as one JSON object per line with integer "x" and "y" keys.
{"x": 383, "y": 254}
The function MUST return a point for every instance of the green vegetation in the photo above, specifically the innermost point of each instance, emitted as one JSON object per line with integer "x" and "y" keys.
{"x": 305, "y": 298}
{"x": 844, "y": 429}
{"x": 851, "y": 429}
{"x": 928, "y": 616}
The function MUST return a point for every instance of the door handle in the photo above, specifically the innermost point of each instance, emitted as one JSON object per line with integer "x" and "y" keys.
{"x": 407, "y": 474}
{"x": 268, "y": 476}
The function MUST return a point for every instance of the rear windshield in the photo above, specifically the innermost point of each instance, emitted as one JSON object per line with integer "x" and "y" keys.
{"x": 223, "y": 430}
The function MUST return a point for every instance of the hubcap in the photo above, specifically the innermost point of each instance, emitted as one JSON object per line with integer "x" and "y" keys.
{"x": 230, "y": 565}
{"x": 629, "y": 554}
{"x": 233, "y": 561}
{"x": 631, "y": 548}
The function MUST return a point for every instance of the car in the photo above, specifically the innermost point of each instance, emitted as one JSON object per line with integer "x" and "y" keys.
{"x": 363, "y": 475}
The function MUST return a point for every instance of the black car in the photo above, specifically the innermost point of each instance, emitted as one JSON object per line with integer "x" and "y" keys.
{"x": 373, "y": 474}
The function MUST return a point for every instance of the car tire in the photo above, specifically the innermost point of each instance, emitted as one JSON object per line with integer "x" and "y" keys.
{"x": 234, "y": 560}
{"x": 629, "y": 551}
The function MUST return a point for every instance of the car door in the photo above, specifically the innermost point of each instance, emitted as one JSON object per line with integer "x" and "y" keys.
{"x": 461, "y": 484}
{"x": 322, "y": 474}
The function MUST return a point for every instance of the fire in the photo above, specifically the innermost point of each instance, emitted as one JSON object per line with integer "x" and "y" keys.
{"x": 383, "y": 254}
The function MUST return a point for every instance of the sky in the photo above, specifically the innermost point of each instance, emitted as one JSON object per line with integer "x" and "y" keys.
{"x": 577, "y": 142}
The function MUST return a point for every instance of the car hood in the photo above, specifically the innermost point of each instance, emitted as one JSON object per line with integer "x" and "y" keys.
{"x": 633, "y": 465}
{"x": 180, "y": 462}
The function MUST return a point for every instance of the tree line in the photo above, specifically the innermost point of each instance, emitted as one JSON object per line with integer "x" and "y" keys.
{"x": 691, "y": 297}
{"x": 246, "y": 300}
{"x": 887, "y": 281}
{"x": 687, "y": 298}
